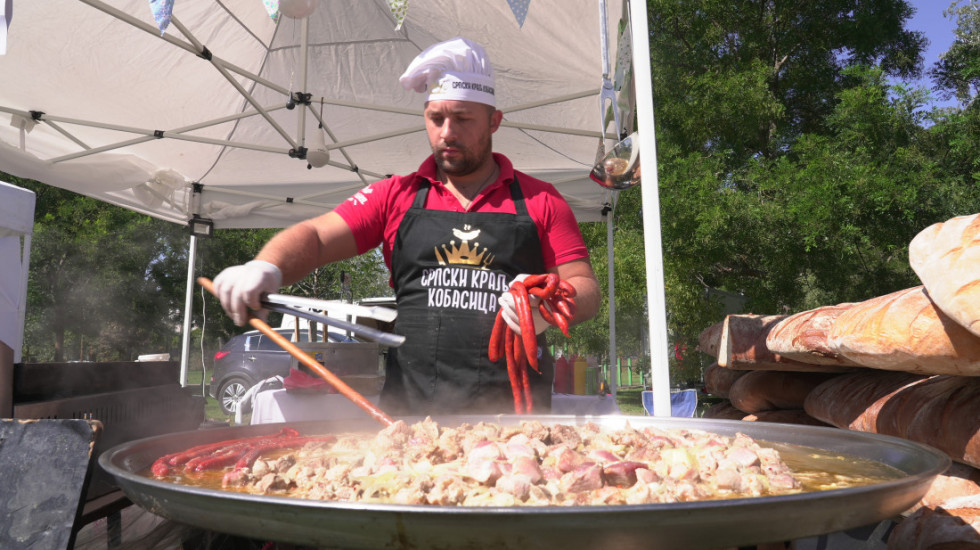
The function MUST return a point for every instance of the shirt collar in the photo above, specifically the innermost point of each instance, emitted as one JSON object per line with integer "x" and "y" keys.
{"x": 428, "y": 170}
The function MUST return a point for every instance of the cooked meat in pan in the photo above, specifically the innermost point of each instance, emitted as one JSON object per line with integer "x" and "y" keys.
{"x": 530, "y": 464}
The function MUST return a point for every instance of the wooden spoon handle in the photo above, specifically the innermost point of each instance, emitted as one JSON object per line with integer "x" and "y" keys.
{"x": 304, "y": 358}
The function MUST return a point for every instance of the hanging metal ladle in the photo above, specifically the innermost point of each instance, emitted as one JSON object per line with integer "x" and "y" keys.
{"x": 620, "y": 168}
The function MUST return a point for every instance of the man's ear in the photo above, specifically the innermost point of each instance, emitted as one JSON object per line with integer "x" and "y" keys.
{"x": 495, "y": 120}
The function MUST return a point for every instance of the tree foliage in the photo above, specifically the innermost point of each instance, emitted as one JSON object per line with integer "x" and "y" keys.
{"x": 794, "y": 164}
{"x": 744, "y": 78}
{"x": 109, "y": 284}
{"x": 958, "y": 71}
{"x": 90, "y": 293}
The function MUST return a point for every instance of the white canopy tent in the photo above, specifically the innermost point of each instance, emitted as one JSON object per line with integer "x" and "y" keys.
{"x": 213, "y": 117}
{"x": 16, "y": 229}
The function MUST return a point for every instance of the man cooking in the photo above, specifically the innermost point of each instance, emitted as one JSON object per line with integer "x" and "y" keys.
{"x": 454, "y": 235}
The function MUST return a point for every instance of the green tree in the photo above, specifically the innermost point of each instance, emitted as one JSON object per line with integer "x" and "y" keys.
{"x": 827, "y": 222}
{"x": 630, "y": 287}
{"x": 363, "y": 276}
{"x": 790, "y": 173}
{"x": 108, "y": 284}
{"x": 89, "y": 296}
{"x": 958, "y": 71}
{"x": 744, "y": 78}
{"x": 955, "y": 132}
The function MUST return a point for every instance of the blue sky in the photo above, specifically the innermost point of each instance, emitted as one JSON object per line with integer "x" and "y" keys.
{"x": 938, "y": 29}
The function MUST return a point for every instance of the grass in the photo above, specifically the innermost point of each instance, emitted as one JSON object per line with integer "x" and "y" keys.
{"x": 630, "y": 401}
{"x": 212, "y": 410}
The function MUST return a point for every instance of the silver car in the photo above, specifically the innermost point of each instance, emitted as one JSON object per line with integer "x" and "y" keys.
{"x": 249, "y": 358}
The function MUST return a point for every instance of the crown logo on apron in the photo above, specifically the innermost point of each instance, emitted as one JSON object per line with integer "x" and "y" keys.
{"x": 464, "y": 253}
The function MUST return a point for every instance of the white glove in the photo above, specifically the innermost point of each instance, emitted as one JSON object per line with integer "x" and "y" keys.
{"x": 240, "y": 288}
{"x": 509, "y": 309}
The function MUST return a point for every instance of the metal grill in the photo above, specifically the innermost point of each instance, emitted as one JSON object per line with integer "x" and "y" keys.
{"x": 133, "y": 400}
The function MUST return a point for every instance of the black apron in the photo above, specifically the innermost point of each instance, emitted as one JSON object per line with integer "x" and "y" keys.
{"x": 448, "y": 269}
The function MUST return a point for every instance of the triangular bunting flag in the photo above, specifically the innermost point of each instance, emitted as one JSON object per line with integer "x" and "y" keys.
{"x": 399, "y": 9}
{"x": 6, "y": 11}
{"x": 519, "y": 7}
{"x": 162, "y": 10}
{"x": 272, "y": 7}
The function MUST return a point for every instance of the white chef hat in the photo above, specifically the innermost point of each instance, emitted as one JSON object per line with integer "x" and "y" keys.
{"x": 456, "y": 69}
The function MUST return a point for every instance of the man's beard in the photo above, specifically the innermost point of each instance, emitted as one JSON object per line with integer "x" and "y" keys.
{"x": 469, "y": 161}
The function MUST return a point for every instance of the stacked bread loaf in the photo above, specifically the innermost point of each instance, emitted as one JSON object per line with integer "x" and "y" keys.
{"x": 757, "y": 381}
{"x": 905, "y": 364}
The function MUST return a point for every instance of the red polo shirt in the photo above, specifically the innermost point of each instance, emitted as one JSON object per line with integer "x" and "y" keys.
{"x": 375, "y": 213}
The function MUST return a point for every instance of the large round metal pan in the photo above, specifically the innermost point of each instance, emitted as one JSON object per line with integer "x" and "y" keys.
{"x": 705, "y": 524}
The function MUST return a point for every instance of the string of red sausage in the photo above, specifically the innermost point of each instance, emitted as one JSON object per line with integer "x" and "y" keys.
{"x": 557, "y": 307}
{"x": 241, "y": 453}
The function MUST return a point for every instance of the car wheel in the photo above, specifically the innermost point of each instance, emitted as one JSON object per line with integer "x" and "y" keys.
{"x": 231, "y": 393}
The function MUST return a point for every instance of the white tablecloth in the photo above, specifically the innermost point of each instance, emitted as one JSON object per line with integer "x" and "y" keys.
{"x": 285, "y": 406}
{"x": 272, "y": 406}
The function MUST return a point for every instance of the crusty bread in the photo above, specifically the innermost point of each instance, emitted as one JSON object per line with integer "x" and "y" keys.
{"x": 940, "y": 411}
{"x": 785, "y": 416}
{"x": 905, "y": 331}
{"x": 803, "y": 336}
{"x": 946, "y": 257}
{"x": 718, "y": 380}
{"x": 959, "y": 480}
{"x": 725, "y": 411}
{"x": 743, "y": 346}
{"x": 760, "y": 390}
{"x": 943, "y": 411}
{"x": 710, "y": 339}
{"x": 953, "y": 526}
{"x": 852, "y": 401}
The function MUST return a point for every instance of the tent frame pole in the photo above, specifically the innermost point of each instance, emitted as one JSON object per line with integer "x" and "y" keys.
{"x": 303, "y": 53}
{"x": 185, "y": 345}
{"x": 221, "y": 68}
{"x": 611, "y": 256}
{"x": 652, "y": 244}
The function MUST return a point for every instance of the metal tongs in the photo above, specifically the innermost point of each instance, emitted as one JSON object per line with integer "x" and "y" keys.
{"x": 301, "y": 307}
{"x": 307, "y": 360}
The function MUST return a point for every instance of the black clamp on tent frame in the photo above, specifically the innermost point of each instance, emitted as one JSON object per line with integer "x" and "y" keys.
{"x": 198, "y": 226}
{"x": 298, "y": 153}
{"x": 302, "y": 98}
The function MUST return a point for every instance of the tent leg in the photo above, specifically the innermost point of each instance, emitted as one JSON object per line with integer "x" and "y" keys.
{"x": 185, "y": 345}
{"x": 653, "y": 248}
{"x": 612, "y": 297}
